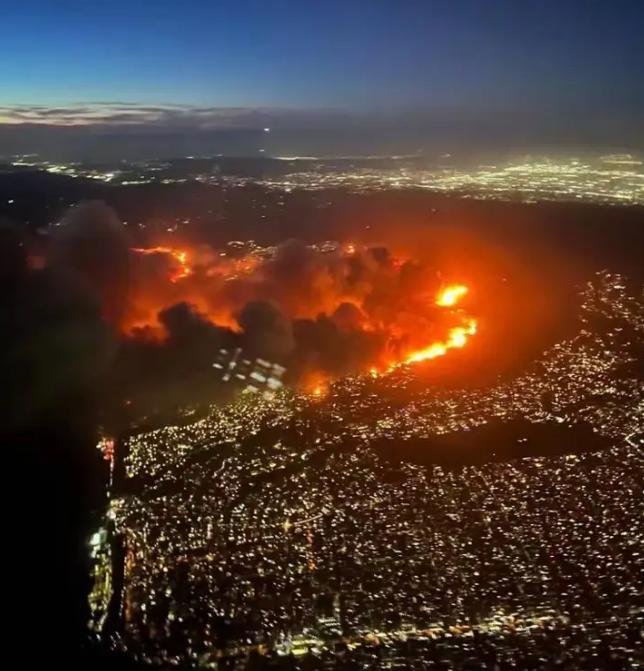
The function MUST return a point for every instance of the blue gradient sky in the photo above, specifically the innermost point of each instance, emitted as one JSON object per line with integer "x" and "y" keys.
{"x": 338, "y": 53}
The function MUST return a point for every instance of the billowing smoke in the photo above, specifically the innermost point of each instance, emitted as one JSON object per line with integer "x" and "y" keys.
{"x": 91, "y": 243}
{"x": 328, "y": 308}
{"x": 54, "y": 346}
{"x": 143, "y": 324}
{"x": 328, "y": 345}
{"x": 266, "y": 330}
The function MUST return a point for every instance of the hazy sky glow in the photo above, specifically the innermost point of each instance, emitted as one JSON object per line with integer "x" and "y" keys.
{"x": 170, "y": 62}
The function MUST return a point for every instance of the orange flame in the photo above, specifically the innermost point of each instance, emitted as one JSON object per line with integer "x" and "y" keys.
{"x": 315, "y": 384}
{"x": 457, "y": 336}
{"x": 179, "y": 255}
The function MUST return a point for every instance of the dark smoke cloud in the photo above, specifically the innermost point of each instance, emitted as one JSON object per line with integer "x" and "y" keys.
{"x": 266, "y": 331}
{"x": 158, "y": 376}
{"x": 92, "y": 244}
{"x": 348, "y": 317}
{"x": 190, "y": 331}
{"x": 323, "y": 345}
{"x": 54, "y": 346}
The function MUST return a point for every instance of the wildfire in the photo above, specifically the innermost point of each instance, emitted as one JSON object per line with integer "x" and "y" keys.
{"x": 180, "y": 256}
{"x": 315, "y": 384}
{"x": 457, "y": 336}
{"x": 357, "y": 291}
{"x": 449, "y": 296}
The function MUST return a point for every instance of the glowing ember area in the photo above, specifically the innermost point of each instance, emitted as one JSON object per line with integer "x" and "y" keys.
{"x": 323, "y": 311}
{"x": 183, "y": 269}
{"x": 315, "y": 384}
{"x": 451, "y": 295}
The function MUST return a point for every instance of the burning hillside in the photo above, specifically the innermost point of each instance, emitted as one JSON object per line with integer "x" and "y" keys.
{"x": 324, "y": 310}
{"x": 321, "y": 311}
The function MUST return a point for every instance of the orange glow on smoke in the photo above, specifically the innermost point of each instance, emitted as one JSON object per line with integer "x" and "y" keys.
{"x": 179, "y": 255}
{"x": 355, "y": 291}
{"x": 457, "y": 336}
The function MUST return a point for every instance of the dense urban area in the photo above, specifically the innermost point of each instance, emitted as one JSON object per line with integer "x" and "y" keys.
{"x": 364, "y": 528}
{"x": 616, "y": 179}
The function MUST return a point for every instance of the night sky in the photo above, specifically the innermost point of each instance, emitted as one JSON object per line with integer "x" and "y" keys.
{"x": 548, "y": 63}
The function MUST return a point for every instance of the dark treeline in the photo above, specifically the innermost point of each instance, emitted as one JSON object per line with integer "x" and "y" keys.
{"x": 495, "y": 441}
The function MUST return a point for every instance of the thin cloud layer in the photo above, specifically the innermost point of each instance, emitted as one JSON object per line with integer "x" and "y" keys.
{"x": 128, "y": 114}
